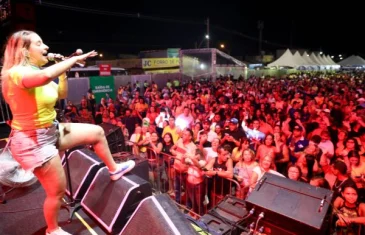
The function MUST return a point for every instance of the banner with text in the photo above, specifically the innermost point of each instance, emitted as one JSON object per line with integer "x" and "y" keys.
{"x": 155, "y": 63}
{"x": 102, "y": 87}
{"x": 105, "y": 69}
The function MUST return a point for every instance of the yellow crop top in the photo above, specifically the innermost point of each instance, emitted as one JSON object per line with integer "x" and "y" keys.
{"x": 32, "y": 108}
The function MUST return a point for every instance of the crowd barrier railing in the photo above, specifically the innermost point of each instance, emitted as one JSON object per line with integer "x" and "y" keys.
{"x": 194, "y": 195}
{"x": 192, "y": 190}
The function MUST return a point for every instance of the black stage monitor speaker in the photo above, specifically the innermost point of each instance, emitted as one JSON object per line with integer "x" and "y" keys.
{"x": 231, "y": 209}
{"x": 216, "y": 226}
{"x": 141, "y": 169}
{"x": 83, "y": 164}
{"x": 114, "y": 136}
{"x": 158, "y": 215}
{"x": 111, "y": 203}
{"x": 296, "y": 206}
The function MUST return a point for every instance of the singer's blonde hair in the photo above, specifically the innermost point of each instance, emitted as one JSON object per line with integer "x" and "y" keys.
{"x": 14, "y": 49}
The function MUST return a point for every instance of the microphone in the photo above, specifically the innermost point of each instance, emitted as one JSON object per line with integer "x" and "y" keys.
{"x": 55, "y": 57}
{"x": 59, "y": 57}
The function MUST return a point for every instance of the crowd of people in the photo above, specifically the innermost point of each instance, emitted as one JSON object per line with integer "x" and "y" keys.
{"x": 202, "y": 139}
{"x": 306, "y": 127}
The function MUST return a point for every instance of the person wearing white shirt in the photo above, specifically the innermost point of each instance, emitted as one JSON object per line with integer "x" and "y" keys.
{"x": 163, "y": 116}
{"x": 206, "y": 128}
{"x": 185, "y": 119}
{"x": 210, "y": 152}
{"x": 326, "y": 144}
{"x": 264, "y": 166}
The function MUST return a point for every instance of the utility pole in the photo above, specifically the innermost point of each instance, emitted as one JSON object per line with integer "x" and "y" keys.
{"x": 260, "y": 26}
{"x": 208, "y": 39}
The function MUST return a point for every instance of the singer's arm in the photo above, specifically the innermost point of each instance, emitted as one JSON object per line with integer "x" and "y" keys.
{"x": 36, "y": 78}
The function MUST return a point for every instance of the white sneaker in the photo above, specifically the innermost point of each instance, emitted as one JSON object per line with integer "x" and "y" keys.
{"x": 58, "y": 231}
{"x": 123, "y": 168}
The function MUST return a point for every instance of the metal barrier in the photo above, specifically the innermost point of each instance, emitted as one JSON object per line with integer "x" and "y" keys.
{"x": 194, "y": 197}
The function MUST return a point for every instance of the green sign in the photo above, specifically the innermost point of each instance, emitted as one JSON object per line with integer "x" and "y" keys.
{"x": 102, "y": 87}
{"x": 173, "y": 52}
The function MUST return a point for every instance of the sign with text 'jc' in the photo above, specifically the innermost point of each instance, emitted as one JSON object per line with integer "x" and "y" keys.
{"x": 154, "y": 63}
{"x": 105, "y": 69}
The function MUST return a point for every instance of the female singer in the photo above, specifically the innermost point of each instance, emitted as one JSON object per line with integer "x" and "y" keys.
{"x": 36, "y": 136}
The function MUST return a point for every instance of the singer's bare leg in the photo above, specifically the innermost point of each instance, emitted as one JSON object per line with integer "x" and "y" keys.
{"x": 76, "y": 134}
{"x": 52, "y": 177}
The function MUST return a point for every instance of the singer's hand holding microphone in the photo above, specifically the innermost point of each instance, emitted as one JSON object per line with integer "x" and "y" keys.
{"x": 78, "y": 55}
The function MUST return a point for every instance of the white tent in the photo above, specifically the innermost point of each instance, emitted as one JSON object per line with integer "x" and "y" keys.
{"x": 286, "y": 60}
{"x": 330, "y": 60}
{"x": 298, "y": 59}
{"x": 314, "y": 58}
{"x": 307, "y": 59}
{"x": 325, "y": 59}
{"x": 322, "y": 59}
{"x": 352, "y": 61}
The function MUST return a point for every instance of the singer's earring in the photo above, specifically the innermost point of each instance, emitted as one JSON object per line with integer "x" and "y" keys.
{"x": 25, "y": 53}
{"x": 26, "y": 56}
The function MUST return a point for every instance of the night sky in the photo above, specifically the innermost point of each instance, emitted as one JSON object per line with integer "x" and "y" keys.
{"x": 333, "y": 29}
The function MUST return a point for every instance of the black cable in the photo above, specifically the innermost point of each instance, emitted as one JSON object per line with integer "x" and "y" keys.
{"x": 119, "y": 14}
{"x": 155, "y": 18}
{"x": 114, "y": 44}
{"x": 31, "y": 209}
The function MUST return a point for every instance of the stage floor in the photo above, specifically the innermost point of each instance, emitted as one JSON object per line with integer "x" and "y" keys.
{"x": 23, "y": 214}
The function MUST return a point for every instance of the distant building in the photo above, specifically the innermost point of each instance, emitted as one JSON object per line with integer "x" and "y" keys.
{"x": 256, "y": 59}
{"x": 127, "y": 56}
{"x": 166, "y": 53}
